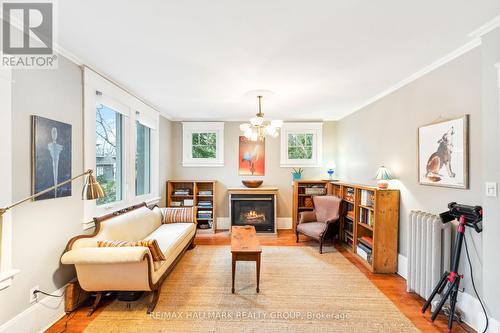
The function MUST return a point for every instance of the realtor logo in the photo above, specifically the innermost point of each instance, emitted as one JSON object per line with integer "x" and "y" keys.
{"x": 28, "y": 35}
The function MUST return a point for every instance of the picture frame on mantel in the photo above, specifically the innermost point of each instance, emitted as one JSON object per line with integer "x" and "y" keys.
{"x": 443, "y": 153}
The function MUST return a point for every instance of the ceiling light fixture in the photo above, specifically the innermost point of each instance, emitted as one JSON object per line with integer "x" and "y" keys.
{"x": 258, "y": 127}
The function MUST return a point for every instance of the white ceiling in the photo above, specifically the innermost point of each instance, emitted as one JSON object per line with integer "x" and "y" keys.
{"x": 322, "y": 59}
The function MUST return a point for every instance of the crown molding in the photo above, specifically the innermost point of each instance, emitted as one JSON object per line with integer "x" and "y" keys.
{"x": 427, "y": 69}
{"x": 486, "y": 28}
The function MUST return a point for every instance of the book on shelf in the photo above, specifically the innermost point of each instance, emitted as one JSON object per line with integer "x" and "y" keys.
{"x": 349, "y": 194}
{"x": 367, "y": 198}
{"x": 188, "y": 202}
{"x": 366, "y": 216}
{"x": 363, "y": 253}
{"x": 182, "y": 191}
{"x": 205, "y": 192}
{"x": 176, "y": 203}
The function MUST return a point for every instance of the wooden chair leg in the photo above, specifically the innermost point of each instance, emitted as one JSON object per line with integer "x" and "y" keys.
{"x": 321, "y": 246}
{"x": 94, "y": 306}
{"x": 297, "y": 237}
{"x": 154, "y": 300}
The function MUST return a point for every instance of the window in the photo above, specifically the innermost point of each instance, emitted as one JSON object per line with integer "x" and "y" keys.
{"x": 108, "y": 147}
{"x": 203, "y": 144}
{"x": 121, "y": 146}
{"x": 301, "y": 144}
{"x": 142, "y": 160}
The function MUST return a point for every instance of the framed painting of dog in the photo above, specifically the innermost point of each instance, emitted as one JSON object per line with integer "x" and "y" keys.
{"x": 443, "y": 153}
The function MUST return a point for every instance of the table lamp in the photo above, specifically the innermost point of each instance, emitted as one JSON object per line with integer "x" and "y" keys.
{"x": 383, "y": 176}
{"x": 330, "y": 169}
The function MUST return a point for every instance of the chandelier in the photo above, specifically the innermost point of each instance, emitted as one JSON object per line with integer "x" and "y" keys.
{"x": 259, "y": 128}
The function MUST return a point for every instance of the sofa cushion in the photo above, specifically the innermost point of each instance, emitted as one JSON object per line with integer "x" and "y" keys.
{"x": 151, "y": 244}
{"x": 170, "y": 236}
{"x": 179, "y": 215}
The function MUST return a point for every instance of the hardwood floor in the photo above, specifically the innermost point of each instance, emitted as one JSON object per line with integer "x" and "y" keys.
{"x": 392, "y": 285}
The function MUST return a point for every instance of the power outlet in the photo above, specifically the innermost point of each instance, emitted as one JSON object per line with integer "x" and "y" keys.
{"x": 33, "y": 296}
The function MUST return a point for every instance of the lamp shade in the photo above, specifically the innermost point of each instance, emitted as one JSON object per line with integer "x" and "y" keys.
{"x": 383, "y": 174}
{"x": 92, "y": 189}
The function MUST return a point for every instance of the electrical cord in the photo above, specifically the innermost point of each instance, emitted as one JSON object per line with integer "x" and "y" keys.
{"x": 47, "y": 294}
{"x": 474, "y": 285}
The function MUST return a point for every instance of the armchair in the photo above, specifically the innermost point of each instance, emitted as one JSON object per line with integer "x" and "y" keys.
{"x": 321, "y": 223}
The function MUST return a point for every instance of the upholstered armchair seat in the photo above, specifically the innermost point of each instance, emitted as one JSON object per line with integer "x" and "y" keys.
{"x": 312, "y": 229}
{"x": 322, "y": 221}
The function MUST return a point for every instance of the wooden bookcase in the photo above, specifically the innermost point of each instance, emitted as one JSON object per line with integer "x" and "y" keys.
{"x": 369, "y": 213}
{"x": 198, "y": 193}
{"x": 302, "y": 198}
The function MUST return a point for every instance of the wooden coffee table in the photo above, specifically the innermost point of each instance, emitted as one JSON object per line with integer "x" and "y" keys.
{"x": 245, "y": 247}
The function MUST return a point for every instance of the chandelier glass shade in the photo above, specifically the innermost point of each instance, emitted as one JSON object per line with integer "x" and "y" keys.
{"x": 258, "y": 127}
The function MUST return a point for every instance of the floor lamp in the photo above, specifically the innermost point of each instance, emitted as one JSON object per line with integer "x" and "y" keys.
{"x": 91, "y": 190}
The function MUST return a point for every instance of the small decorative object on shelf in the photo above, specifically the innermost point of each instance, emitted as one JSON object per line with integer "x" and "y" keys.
{"x": 383, "y": 176}
{"x": 252, "y": 183}
{"x": 330, "y": 169}
{"x": 297, "y": 174}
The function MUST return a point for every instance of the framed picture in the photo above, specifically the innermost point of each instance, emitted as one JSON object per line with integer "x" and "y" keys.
{"x": 50, "y": 157}
{"x": 252, "y": 157}
{"x": 443, "y": 153}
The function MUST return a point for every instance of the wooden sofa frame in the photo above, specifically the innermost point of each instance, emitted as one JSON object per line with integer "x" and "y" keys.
{"x": 155, "y": 287}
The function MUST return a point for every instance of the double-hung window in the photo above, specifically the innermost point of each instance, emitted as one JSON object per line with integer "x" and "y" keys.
{"x": 301, "y": 144}
{"x": 109, "y": 152}
{"x": 121, "y": 146}
{"x": 142, "y": 159}
{"x": 203, "y": 144}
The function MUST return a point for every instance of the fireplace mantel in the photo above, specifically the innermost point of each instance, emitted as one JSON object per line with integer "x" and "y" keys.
{"x": 257, "y": 190}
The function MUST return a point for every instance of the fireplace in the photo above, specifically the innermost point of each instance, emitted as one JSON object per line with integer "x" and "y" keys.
{"x": 254, "y": 209}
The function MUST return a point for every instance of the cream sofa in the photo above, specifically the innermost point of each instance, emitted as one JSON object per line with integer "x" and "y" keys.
{"x": 101, "y": 269}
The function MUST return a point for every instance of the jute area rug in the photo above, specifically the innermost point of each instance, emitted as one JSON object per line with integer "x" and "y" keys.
{"x": 300, "y": 291}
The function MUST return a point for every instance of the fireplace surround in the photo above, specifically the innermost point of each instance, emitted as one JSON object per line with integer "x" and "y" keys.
{"x": 255, "y": 207}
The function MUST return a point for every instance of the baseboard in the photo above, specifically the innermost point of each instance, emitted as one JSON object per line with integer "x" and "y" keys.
{"x": 38, "y": 317}
{"x": 472, "y": 312}
{"x": 284, "y": 223}
{"x": 224, "y": 223}
{"x": 494, "y": 326}
{"x": 402, "y": 266}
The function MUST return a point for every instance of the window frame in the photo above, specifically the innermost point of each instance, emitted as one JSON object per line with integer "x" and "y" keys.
{"x": 316, "y": 130}
{"x": 7, "y": 272}
{"x": 188, "y": 129}
{"x": 132, "y": 110}
{"x": 150, "y": 154}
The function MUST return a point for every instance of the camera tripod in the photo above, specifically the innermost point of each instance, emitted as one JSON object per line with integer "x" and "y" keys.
{"x": 452, "y": 279}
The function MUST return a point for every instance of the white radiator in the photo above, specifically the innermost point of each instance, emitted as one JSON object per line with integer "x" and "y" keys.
{"x": 429, "y": 247}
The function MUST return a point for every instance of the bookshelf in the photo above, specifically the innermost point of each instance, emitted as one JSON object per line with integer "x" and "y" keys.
{"x": 369, "y": 224}
{"x": 303, "y": 191}
{"x": 198, "y": 193}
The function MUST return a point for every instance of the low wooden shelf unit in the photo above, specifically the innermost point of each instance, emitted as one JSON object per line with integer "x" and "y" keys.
{"x": 198, "y": 193}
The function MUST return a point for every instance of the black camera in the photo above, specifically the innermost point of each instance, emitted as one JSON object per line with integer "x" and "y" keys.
{"x": 473, "y": 215}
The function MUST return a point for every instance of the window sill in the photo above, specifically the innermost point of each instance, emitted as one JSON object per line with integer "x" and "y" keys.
{"x": 6, "y": 278}
{"x": 215, "y": 165}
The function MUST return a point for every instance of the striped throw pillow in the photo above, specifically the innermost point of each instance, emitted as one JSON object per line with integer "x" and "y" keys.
{"x": 152, "y": 244}
{"x": 179, "y": 215}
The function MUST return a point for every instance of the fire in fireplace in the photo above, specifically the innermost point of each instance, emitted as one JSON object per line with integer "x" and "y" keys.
{"x": 253, "y": 209}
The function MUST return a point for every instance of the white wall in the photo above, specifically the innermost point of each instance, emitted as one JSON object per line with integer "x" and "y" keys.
{"x": 227, "y": 176}
{"x": 490, "y": 51}
{"x": 385, "y": 133}
{"x": 42, "y": 229}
